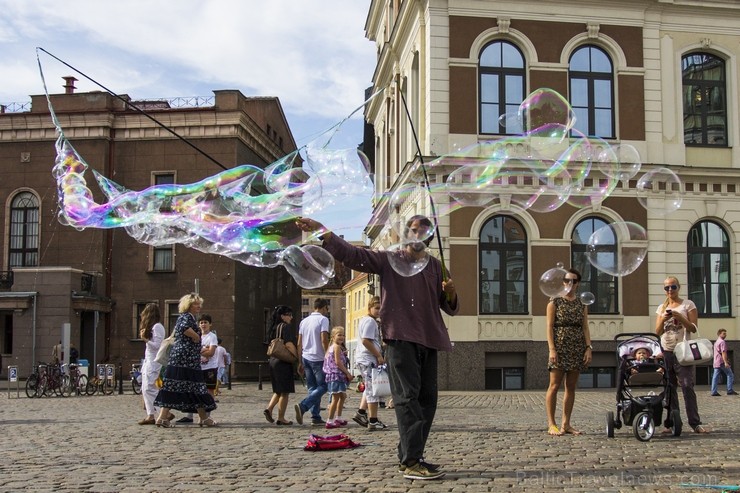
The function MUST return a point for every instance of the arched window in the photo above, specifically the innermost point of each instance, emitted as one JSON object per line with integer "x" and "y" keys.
{"x": 501, "y": 86}
{"x": 503, "y": 266}
{"x": 704, "y": 100}
{"x": 591, "y": 79}
{"x": 709, "y": 269}
{"x": 602, "y": 285}
{"x": 24, "y": 231}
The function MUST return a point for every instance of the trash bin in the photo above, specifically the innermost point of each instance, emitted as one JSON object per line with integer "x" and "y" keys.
{"x": 82, "y": 365}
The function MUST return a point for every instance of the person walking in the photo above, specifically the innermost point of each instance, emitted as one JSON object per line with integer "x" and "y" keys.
{"x": 208, "y": 362}
{"x": 183, "y": 387}
{"x": 722, "y": 364}
{"x": 368, "y": 354}
{"x": 569, "y": 343}
{"x": 313, "y": 342}
{"x": 281, "y": 372}
{"x": 414, "y": 331}
{"x": 676, "y": 316}
{"x": 152, "y": 331}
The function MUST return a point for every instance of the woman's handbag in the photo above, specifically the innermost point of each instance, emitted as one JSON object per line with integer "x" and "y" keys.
{"x": 381, "y": 384}
{"x": 277, "y": 348}
{"x": 691, "y": 352}
{"x": 163, "y": 353}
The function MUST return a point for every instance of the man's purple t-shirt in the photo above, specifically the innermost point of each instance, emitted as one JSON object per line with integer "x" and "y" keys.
{"x": 410, "y": 306}
{"x": 720, "y": 346}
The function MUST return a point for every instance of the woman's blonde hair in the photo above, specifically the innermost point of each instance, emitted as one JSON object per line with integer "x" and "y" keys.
{"x": 187, "y": 301}
{"x": 335, "y": 331}
{"x": 375, "y": 300}
{"x": 668, "y": 298}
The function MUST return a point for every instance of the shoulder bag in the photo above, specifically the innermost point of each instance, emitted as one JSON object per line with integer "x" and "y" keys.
{"x": 690, "y": 352}
{"x": 277, "y": 348}
{"x": 163, "y": 353}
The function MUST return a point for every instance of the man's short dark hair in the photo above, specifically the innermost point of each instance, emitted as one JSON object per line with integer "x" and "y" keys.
{"x": 205, "y": 317}
{"x": 320, "y": 303}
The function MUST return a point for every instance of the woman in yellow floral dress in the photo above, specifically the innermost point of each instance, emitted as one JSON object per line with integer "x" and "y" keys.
{"x": 569, "y": 343}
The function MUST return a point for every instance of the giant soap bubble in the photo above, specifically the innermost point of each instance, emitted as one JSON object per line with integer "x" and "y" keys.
{"x": 551, "y": 282}
{"x": 617, "y": 248}
{"x": 408, "y": 260}
{"x": 660, "y": 191}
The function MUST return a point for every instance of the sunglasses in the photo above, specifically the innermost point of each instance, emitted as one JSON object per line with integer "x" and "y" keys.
{"x": 569, "y": 280}
{"x": 672, "y": 287}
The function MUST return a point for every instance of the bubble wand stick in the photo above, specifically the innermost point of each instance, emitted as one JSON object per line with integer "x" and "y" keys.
{"x": 427, "y": 185}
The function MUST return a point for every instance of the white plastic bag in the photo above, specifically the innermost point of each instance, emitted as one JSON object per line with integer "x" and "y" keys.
{"x": 381, "y": 383}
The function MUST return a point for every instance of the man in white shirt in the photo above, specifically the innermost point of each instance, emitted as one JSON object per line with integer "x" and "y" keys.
{"x": 313, "y": 342}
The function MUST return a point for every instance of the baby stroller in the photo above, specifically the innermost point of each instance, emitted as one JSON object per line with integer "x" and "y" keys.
{"x": 642, "y": 388}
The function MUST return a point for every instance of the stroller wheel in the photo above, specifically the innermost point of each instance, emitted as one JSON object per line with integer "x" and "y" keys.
{"x": 676, "y": 424}
{"x": 643, "y": 426}
{"x": 610, "y": 424}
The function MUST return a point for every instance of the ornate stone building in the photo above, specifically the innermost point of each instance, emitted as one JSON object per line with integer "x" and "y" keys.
{"x": 659, "y": 76}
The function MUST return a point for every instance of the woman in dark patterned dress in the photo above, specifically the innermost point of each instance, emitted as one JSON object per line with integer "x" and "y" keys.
{"x": 184, "y": 388}
{"x": 281, "y": 373}
{"x": 569, "y": 342}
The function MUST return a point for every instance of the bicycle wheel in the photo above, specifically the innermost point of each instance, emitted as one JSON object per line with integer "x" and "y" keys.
{"x": 65, "y": 386}
{"x": 41, "y": 386}
{"x": 136, "y": 383}
{"x": 91, "y": 387}
{"x": 31, "y": 384}
{"x": 81, "y": 385}
{"x": 108, "y": 387}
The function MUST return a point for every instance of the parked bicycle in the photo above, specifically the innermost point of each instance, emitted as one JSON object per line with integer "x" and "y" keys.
{"x": 136, "y": 377}
{"x": 103, "y": 385}
{"x": 77, "y": 380}
{"x": 33, "y": 380}
{"x": 52, "y": 380}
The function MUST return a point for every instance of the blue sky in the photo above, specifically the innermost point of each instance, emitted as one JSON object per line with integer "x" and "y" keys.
{"x": 312, "y": 54}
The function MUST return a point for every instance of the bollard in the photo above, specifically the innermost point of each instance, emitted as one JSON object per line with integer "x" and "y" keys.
{"x": 13, "y": 377}
{"x": 259, "y": 376}
{"x": 228, "y": 377}
{"x": 120, "y": 378}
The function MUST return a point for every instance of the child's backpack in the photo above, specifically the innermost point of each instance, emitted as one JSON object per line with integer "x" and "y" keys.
{"x": 316, "y": 443}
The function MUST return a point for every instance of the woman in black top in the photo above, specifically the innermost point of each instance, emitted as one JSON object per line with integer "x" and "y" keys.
{"x": 281, "y": 373}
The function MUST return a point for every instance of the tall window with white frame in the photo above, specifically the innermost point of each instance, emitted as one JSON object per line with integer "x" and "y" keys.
{"x": 501, "y": 84}
{"x": 704, "y": 100}
{"x": 709, "y": 279}
{"x": 24, "y": 231}
{"x": 602, "y": 285}
{"x": 591, "y": 91}
{"x": 503, "y": 267}
{"x": 162, "y": 258}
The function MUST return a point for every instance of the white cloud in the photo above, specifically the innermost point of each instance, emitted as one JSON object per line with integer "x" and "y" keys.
{"x": 312, "y": 54}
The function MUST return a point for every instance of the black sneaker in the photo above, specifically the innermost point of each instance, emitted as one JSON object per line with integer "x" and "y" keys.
{"x": 299, "y": 414}
{"x": 318, "y": 422}
{"x": 185, "y": 419}
{"x": 428, "y": 465}
{"x": 716, "y": 394}
{"x": 732, "y": 392}
{"x": 360, "y": 419}
{"x": 420, "y": 471}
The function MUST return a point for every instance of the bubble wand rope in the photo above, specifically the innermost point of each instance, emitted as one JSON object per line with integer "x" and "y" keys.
{"x": 128, "y": 103}
{"x": 427, "y": 185}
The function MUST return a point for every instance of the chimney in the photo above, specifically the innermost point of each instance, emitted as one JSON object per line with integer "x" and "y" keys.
{"x": 69, "y": 86}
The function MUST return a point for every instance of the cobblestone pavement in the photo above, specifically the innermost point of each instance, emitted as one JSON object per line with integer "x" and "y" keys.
{"x": 487, "y": 441}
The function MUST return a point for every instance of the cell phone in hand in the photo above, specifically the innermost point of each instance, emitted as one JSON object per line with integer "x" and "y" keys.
{"x": 669, "y": 312}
